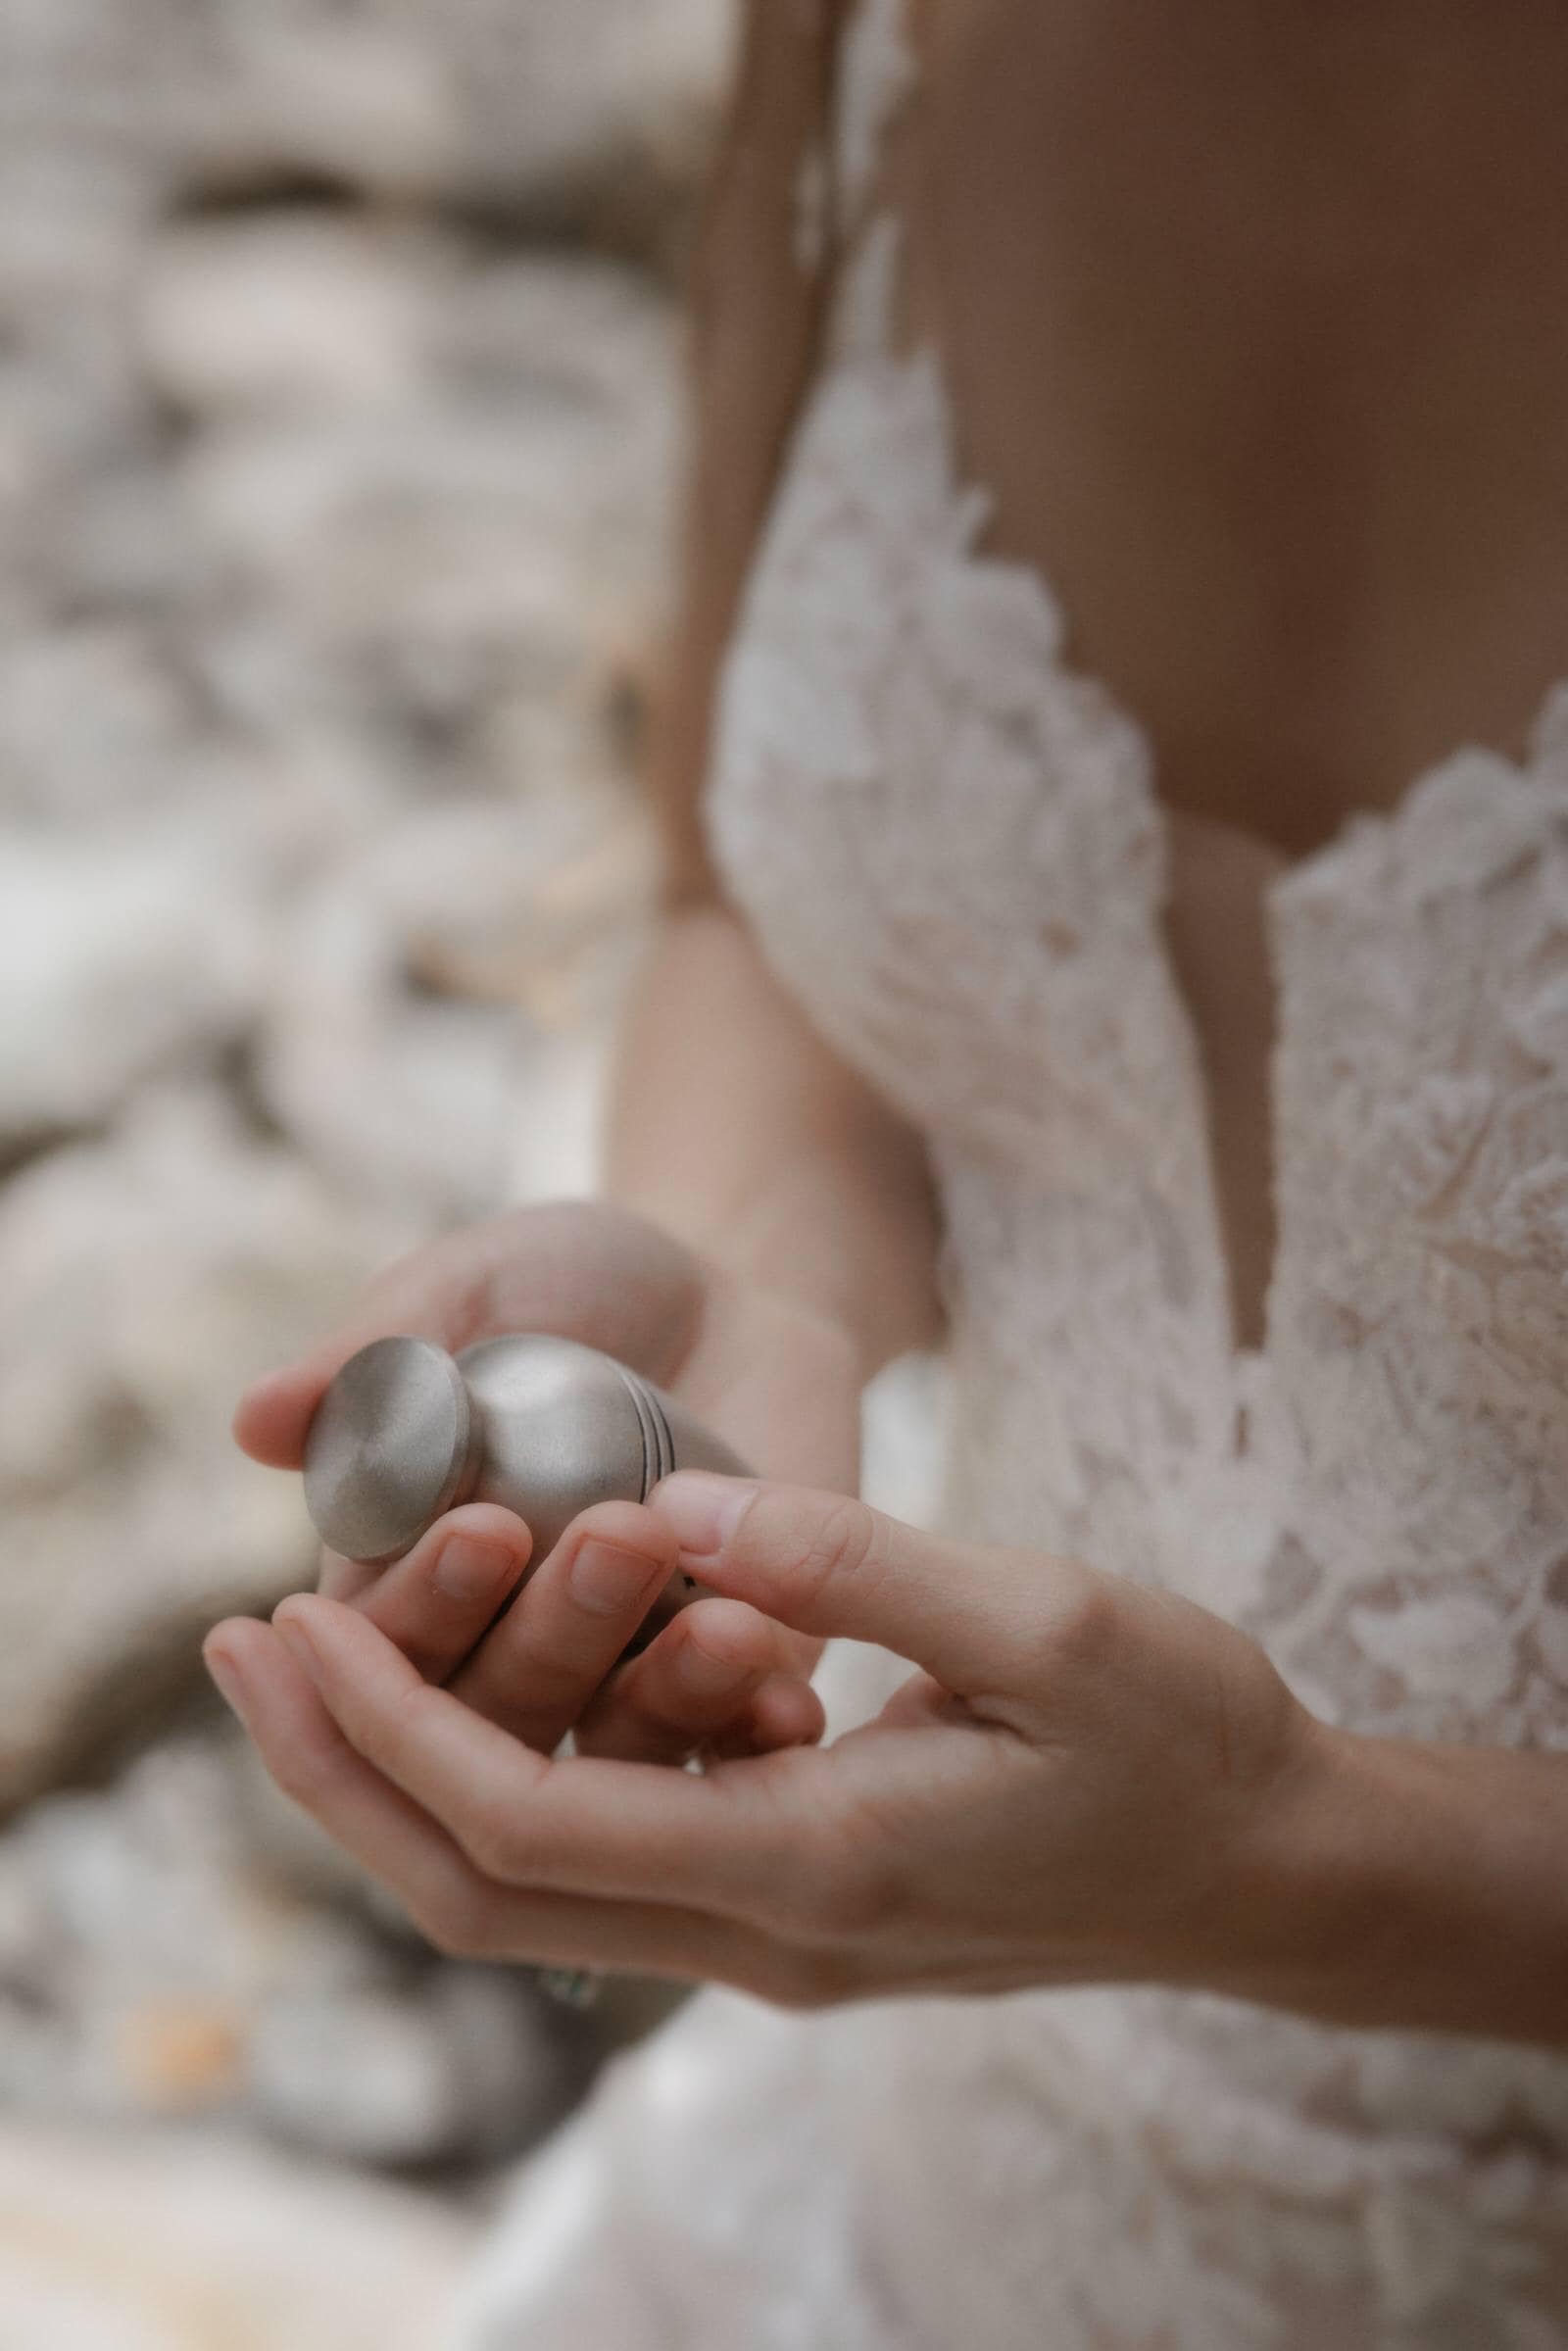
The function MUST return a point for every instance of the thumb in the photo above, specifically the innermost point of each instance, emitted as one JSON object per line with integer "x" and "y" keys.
{"x": 828, "y": 1564}
{"x": 272, "y": 1418}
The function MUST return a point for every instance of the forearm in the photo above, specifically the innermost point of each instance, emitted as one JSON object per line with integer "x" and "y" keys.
{"x": 734, "y": 1126}
{"x": 1413, "y": 1884}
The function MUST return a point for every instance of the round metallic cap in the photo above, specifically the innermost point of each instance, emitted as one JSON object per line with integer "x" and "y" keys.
{"x": 388, "y": 1448}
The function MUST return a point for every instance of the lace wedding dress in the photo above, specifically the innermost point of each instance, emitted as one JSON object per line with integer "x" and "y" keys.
{"x": 950, "y": 849}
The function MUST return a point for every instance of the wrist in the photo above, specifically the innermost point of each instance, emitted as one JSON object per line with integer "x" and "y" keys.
{"x": 756, "y": 1257}
{"x": 795, "y": 1287}
{"x": 1306, "y": 1905}
{"x": 801, "y": 1328}
{"x": 1406, "y": 1884}
{"x": 856, "y": 1261}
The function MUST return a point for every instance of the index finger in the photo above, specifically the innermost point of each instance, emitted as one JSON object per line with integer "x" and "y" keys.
{"x": 727, "y": 1844}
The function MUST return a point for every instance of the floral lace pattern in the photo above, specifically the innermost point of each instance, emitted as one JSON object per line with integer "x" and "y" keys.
{"x": 951, "y": 851}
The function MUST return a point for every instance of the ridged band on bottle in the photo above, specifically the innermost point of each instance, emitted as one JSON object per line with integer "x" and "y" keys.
{"x": 659, "y": 1459}
{"x": 661, "y": 1431}
{"x": 658, "y": 1452}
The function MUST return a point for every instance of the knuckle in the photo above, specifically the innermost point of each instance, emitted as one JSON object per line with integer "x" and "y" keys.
{"x": 497, "y": 1844}
{"x": 416, "y": 1704}
{"x": 1084, "y": 1627}
{"x": 840, "y": 1892}
{"x": 536, "y": 1664}
{"x": 817, "y": 1554}
{"x": 618, "y": 1521}
{"x": 306, "y": 1767}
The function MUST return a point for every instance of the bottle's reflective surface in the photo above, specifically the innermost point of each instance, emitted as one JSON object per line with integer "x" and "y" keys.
{"x": 542, "y": 1424}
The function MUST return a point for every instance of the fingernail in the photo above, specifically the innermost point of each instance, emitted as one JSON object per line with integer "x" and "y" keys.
{"x": 606, "y": 1580}
{"x": 470, "y": 1567}
{"x": 704, "y": 1675}
{"x": 292, "y": 1633}
{"x": 229, "y": 1678}
{"x": 704, "y": 1509}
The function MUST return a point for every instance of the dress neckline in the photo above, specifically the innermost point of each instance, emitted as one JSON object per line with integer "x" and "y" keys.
{"x": 880, "y": 74}
{"x": 1369, "y": 841}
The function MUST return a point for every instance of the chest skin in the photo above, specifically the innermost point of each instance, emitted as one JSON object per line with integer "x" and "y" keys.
{"x": 1255, "y": 319}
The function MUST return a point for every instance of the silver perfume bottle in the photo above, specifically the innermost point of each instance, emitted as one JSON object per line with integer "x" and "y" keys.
{"x": 542, "y": 1424}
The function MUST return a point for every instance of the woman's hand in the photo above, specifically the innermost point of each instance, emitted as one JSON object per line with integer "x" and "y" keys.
{"x": 780, "y": 1384}
{"x": 1087, "y": 1782}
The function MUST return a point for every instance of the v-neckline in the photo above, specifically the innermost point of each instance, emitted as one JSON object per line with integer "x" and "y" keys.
{"x": 1378, "y": 830}
{"x": 894, "y": 71}
{"x": 1293, "y": 877}
{"x": 1372, "y": 834}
